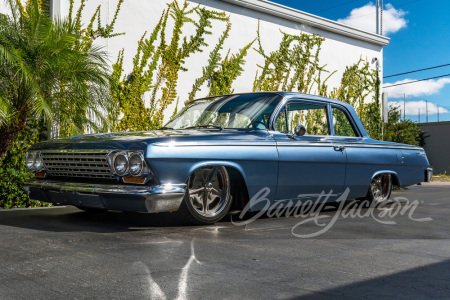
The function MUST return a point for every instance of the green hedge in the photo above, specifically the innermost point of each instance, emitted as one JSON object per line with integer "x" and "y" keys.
{"x": 13, "y": 171}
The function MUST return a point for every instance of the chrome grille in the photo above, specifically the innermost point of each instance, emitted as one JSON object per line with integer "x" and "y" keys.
{"x": 77, "y": 163}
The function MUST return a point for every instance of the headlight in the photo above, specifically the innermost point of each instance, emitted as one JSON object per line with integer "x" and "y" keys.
{"x": 136, "y": 164}
{"x": 30, "y": 158}
{"x": 120, "y": 164}
{"x": 38, "y": 163}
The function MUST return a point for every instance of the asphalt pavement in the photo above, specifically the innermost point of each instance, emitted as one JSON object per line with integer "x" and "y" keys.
{"x": 401, "y": 250}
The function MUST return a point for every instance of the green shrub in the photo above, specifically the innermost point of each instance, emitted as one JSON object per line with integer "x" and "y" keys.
{"x": 402, "y": 131}
{"x": 13, "y": 171}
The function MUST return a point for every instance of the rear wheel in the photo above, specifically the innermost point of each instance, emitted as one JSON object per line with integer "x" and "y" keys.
{"x": 380, "y": 189}
{"x": 207, "y": 198}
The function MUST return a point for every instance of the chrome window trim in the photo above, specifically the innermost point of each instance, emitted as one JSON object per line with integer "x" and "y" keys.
{"x": 330, "y": 119}
{"x": 349, "y": 117}
{"x": 212, "y": 143}
{"x": 347, "y": 145}
{"x": 324, "y": 143}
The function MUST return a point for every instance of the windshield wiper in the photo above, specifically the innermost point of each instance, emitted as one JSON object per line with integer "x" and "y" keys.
{"x": 165, "y": 128}
{"x": 205, "y": 126}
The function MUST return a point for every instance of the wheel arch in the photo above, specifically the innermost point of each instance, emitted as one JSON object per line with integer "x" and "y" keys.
{"x": 395, "y": 178}
{"x": 238, "y": 180}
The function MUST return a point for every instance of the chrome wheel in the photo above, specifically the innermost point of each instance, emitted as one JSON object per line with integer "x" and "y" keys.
{"x": 209, "y": 192}
{"x": 380, "y": 188}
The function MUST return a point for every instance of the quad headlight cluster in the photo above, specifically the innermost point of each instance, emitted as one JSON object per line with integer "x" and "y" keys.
{"x": 128, "y": 163}
{"x": 34, "y": 162}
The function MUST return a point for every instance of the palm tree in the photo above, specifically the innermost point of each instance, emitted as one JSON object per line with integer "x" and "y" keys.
{"x": 44, "y": 74}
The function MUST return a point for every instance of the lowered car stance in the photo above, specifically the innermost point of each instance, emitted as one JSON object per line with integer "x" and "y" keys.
{"x": 218, "y": 153}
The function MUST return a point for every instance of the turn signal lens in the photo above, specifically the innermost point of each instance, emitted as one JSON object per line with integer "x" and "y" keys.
{"x": 40, "y": 175}
{"x": 131, "y": 179}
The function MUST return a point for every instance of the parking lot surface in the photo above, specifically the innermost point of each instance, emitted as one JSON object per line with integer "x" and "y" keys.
{"x": 62, "y": 252}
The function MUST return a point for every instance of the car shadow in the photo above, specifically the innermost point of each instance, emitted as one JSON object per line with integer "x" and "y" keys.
{"x": 69, "y": 218}
{"x": 72, "y": 219}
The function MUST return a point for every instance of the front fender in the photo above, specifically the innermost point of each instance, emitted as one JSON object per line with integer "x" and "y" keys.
{"x": 212, "y": 163}
{"x": 258, "y": 165}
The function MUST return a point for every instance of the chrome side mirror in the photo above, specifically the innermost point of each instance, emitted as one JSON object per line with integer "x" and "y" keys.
{"x": 299, "y": 130}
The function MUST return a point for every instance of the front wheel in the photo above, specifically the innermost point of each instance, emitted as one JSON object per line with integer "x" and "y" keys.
{"x": 207, "y": 198}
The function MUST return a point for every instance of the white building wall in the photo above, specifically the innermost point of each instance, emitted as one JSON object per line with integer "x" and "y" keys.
{"x": 343, "y": 45}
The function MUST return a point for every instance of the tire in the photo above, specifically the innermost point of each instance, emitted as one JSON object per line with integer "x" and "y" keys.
{"x": 207, "y": 199}
{"x": 380, "y": 189}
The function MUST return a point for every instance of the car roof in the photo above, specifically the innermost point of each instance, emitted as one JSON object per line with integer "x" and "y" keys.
{"x": 289, "y": 95}
{"x": 296, "y": 95}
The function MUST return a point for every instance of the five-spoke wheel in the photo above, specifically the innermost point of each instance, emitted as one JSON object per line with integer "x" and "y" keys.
{"x": 208, "y": 194}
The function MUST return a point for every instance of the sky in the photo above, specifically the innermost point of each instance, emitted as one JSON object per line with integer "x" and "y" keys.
{"x": 418, "y": 30}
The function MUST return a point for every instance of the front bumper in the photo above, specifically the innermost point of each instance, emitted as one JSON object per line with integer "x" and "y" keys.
{"x": 152, "y": 199}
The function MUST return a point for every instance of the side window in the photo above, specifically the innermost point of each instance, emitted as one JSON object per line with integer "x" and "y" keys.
{"x": 341, "y": 123}
{"x": 312, "y": 116}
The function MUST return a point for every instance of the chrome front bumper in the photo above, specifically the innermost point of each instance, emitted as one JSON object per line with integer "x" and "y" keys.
{"x": 152, "y": 199}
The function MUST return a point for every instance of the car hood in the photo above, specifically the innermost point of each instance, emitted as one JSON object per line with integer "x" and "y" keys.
{"x": 138, "y": 140}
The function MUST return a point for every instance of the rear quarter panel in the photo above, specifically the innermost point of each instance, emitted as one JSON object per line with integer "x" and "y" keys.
{"x": 364, "y": 162}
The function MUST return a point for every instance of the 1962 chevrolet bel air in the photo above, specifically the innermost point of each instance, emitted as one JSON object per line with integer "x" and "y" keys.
{"x": 219, "y": 152}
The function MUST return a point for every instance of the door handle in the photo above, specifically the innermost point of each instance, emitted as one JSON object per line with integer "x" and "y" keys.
{"x": 339, "y": 148}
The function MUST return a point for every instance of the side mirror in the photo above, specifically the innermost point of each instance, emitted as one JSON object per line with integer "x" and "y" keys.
{"x": 299, "y": 130}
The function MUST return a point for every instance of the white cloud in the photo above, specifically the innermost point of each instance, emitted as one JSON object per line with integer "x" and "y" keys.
{"x": 413, "y": 107}
{"x": 416, "y": 89}
{"x": 365, "y": 18}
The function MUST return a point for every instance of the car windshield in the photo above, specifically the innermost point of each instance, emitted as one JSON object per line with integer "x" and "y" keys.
{"x": 248, "y": 111}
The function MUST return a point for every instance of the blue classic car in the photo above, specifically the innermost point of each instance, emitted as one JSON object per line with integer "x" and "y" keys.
{"x": 219, "y": 152}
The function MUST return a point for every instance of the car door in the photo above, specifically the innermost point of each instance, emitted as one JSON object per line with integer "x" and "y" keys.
{"x": 347, "y": 135}
{"x": 312, "y": 163}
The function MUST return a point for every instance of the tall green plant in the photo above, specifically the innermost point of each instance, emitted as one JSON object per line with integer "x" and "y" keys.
{"x": 294, "y": 65}
{"x": 156, "y": 69}
{"x": 128, "y": 92}
{"x": 43, "y": 75}
{"x": 229, "y": 70}
{"x": 86, "y": 118}
{"x": 221, "y": 74}
{"x": 358, "y": 82}
{"x": 87, "y": 35}
{"x": 213, "y": 64}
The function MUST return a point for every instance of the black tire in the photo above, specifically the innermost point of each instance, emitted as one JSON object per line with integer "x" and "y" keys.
{"x": 207, "y": 199}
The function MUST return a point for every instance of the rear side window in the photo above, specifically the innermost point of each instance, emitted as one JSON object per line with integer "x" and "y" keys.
{"x": 312, "y": 116}
{"x": 341, "y": 123}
